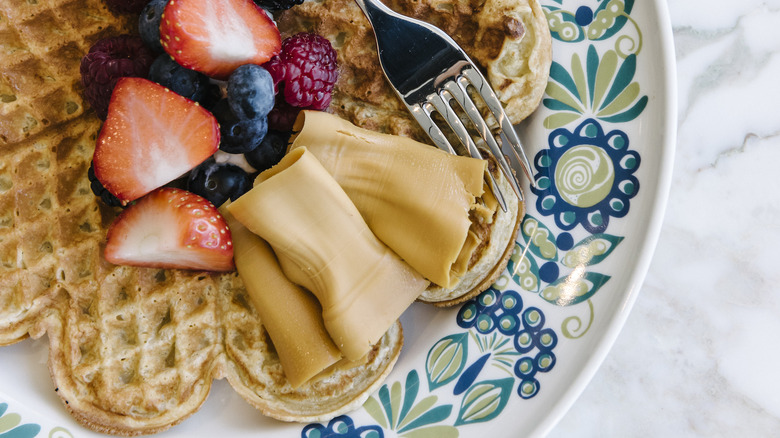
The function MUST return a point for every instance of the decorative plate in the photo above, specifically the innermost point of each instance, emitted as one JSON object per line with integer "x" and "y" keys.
{"x": 513, "y": 360}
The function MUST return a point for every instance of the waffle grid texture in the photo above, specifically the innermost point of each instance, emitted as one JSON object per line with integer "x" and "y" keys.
{"x": 131, "y": 351}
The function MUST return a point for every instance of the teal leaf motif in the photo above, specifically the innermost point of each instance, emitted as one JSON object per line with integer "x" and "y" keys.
{"x": 484, "y": 401}
{"x": 398, "y": 409}
{"x": 591, "y": 250}
{"x": 622, "y": 80}
{"x": 11, "y": 427}
{"x": 600, "y": 86}
{"x": 574, "y": 288}
{"x": 435, "y": 415}
{"x": 446, "y": 360}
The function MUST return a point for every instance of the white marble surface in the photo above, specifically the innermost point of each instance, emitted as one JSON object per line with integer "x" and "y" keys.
{"x": 699, "y": 353}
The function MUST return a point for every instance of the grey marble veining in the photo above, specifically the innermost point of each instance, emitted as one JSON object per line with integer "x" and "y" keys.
{"x": 699, "y": 353}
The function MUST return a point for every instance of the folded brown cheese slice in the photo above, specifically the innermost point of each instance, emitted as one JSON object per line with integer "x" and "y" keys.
{"x": 324, "y": 245}
{"x": 414, "y": 197}
{"x": 291, "y": 316}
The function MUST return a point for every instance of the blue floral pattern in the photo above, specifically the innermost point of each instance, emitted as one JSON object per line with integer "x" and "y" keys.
{"x": 586, "y": 177}
{"x": 502, "y": 344}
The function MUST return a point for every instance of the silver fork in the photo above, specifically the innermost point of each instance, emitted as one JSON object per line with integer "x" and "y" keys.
{"x": 428, "y": 70}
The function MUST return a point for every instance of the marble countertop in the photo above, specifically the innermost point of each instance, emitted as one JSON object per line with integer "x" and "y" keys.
{"x": 699, "y": 353}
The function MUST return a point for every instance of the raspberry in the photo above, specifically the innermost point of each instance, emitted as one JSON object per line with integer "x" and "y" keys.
{"x": 126, "y": 6}
{"x": 108, "y": 60}
{"x": 305, "y": 71}
{"x": 282, "y": 116}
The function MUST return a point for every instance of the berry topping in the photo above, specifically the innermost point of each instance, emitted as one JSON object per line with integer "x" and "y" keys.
{"x": 216, "y": 37}
{"x": 108, "y": 60}
{"x": 278, "y": 5}
{"x": 250, "y": 91}
{"x": 218, "y": 182}
{"x": 149, "y": 24}
{"x": 305, "y": 71}
{"x": 171, "y": 228}
{"x": 238, "y": 135}
{"x": 150, "y": 137}
{"x": 282, "y": 117}
{"x": 100, "y": 191}
{"x": 188, "y": 83}
{"x": 270, "y": 151}
{"x": 126, "y": 6}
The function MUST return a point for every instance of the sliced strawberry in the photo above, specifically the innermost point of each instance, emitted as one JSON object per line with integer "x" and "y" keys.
{"x": 151, "y": 137}
{"x": 171, "y": 228}
{"x": 216, "y": 37}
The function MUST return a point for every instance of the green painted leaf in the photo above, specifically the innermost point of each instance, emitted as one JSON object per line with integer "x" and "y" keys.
{"x": 442, "y": 431}
{"x": 559, "y": 74}
{"x": 574, "y": 288}
{"x": 560, "y": 94}
{"x": 446, "y": 360}
{"x": 483, "y": 401}
{"x": 418, "y": 410}
{"x": 524, "y": 269}
{"x": 579, "y": 78}
{"x": 622, "y": 101}
{"x": 557, "y": 105}
{"x": 604, "y": 75}
{"x": 591, "y": 250}
{"x": 8, "y": 422}
{"x": 412, "y": 386}
{"x": 559, "y": 120}
{"x": 374, "y": 409}
{"x": 629, "y": 115}
{"x": 396, "y": 393}
{"x": 541, "y": 241}
{"x": 624, "y": 77}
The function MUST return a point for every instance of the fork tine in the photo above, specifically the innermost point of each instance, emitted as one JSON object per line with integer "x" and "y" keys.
{"x": 422, "y": 113}
{"x": 441, "y": 102}
{"x": 457, "y": 89}
{"x": 507, "y": 130}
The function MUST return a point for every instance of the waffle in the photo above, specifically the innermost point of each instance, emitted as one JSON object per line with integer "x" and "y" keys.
{"x": 509, "y": 39}
{"x": 132, "y": 350}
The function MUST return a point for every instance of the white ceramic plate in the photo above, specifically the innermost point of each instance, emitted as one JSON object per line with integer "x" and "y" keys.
{"x": 513, "y": 361}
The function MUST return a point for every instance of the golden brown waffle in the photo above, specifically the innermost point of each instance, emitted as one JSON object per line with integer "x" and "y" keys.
{"x": 132, "y": 351}
{"x": 509, "y": 39}
{"x": 41, "y": 44}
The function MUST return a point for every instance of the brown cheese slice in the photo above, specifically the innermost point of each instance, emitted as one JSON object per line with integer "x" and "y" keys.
{"x": 414, "y": 197}
{"x": 323, "y": 244}
{"x": 291, "y": 316}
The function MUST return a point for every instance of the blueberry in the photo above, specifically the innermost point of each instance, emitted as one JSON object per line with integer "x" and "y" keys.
{"x": 218, "y": 182}
{"x": 237, "y": 135}
{"x": 270, "y": 151}
{"x": 188, "y": 83}
{"x": 250, "y": 91}
{"x": 149, "y": 24}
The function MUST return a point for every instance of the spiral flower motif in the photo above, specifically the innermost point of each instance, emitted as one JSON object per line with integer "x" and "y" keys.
{"x": 586, "y": 177}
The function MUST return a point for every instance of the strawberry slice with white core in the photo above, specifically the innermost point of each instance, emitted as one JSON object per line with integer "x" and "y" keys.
{"x": 215, "y": 37}
{"x": 171, "y": 228}
{"x": 151, "y": 136}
